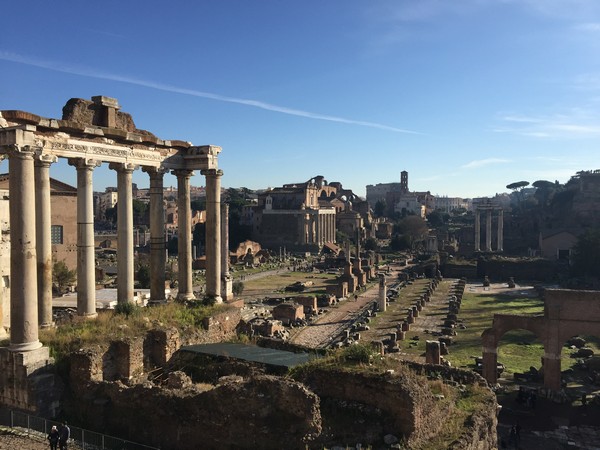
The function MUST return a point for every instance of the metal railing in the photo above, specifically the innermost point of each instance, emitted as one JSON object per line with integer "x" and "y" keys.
{"x": 82, "y": 439}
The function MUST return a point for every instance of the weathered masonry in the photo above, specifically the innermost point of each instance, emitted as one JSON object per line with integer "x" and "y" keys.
{"x": 92, "y": 133}
{"x": 567, "y": 313}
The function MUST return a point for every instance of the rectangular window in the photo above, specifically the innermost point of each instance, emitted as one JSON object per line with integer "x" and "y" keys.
{"x": 57, "y": 234}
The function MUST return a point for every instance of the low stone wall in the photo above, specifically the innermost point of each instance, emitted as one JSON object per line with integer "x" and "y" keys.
{"x": 260, "y": 412}
{"x": 500, "y": 269}
{"x": 413, "y": 411}
{"x": 129, "y": 360}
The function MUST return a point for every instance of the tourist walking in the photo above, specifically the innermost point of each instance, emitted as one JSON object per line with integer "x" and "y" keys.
{"x": 53, "y": 438}
{"x": 64, "y": 435}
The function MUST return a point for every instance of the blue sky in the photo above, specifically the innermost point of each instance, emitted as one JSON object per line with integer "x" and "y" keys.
{"x": 466, "y": 95}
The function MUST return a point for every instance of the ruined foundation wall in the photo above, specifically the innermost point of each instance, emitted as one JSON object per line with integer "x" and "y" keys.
{"x": 416, "y": 414}
{"x": 261, "y": 412}
{"x": 130, "y": 359}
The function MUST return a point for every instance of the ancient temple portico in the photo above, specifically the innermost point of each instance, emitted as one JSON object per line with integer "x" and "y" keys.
{"x": 92, "y": 133}
{"x": 488, "y": 208}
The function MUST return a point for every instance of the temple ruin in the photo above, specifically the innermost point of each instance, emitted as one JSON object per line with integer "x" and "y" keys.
{"x": 89, "y": 134}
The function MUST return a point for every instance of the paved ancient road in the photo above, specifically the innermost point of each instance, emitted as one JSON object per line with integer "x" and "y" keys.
{"x": 320, "y": 333}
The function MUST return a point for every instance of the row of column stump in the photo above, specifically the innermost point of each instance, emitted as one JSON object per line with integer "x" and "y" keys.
{"x": 436, "y": 350}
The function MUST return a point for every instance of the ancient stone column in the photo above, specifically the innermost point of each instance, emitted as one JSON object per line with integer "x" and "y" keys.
{"x": 125, "y": 273}
{"x": 488, "y": 230}
{"x": 381, "y": 303}
{"x": 184, "y": 236}
{"x": 477, "y": 243}
{"x": 490, "y": 364}
{"x": 158, "y": 260}
{"x": 43, "y": 238}
{"x": 23, "y": 289}
{"x": 500, "y": 230}
{"x": 226, "y": 279}
{"x": 86, "y": 275}
{"x": 213, "y": 233}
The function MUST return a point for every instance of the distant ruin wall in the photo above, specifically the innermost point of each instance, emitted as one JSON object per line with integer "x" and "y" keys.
{"x": 501, "y": 269}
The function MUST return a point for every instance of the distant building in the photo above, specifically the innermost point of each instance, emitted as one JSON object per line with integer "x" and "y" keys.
{"x": 557, "y": 244}
{"x": 304, "y": 216}
{"x": 447, "y": 204}
{"x": 380, "y": 191}
{"x": 63, "y": 217}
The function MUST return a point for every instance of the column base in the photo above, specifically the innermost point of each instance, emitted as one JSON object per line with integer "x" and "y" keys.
{"x": 184, "y": 296}
{"x": 25, "y": 347}
{"x": 157, "y": 302}
{"x": 87, "y": 316}
{"x": 47, "y": 325}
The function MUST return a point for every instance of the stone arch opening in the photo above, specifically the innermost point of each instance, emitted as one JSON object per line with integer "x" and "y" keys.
{"x": 521, "y": 351}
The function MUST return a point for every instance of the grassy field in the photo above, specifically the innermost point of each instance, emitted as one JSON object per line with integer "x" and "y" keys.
{"x": 518, "y": 349}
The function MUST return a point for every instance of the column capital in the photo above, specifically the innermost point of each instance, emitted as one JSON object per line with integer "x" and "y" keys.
{"x": 212, "y": 172}
{"x": 84, "y": 163}
{"x": 20, "y": 151}
{"x": 44, "y": 160}
{"x": 154, "y": 171}
{"x": 122, "y": 167}
{"x": 185, "y": 173}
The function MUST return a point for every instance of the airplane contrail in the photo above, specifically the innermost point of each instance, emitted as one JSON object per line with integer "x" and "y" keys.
{"x": 93, "y": 73}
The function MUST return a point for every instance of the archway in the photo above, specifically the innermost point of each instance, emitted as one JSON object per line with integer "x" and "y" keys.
{"x": 520, "y": 351}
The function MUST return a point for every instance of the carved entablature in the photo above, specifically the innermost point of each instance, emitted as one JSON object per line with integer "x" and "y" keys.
{"x": 76, "y": 139}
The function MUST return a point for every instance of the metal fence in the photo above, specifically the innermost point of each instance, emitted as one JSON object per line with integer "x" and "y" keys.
{"x": 82, "y": 439}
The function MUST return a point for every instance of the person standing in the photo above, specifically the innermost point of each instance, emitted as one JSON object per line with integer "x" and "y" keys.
{"x": 64, "y": 435}
{"x": 53, "y": 438}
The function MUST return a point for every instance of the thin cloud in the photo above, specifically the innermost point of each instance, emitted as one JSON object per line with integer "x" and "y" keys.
{"x": 485, "y": 162}
{"x": 575, "y": 123}
{"x": 93, "y": 73}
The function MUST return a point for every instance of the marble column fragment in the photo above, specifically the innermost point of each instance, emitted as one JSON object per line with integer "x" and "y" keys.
{"x": 184, "y": 237}
{"x": 23, "y": 293}
{"x": 125, "y": 272}
{"x": 43, "y": 238}
{"x": 213, "y": 233}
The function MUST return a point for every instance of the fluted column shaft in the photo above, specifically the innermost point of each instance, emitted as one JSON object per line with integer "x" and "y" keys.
{"x": 86, "y": 276}
{"x": 158, "y": 260}
{"x": 23, "y": 291}
{"x": 213, "y": 233}
{"x": 477, "y": 243}
{"x": 43, "y": 238}
{"x": 125, "y": 272}
{"x": 488, "y": 230}
{"x": 184, "y": 240}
